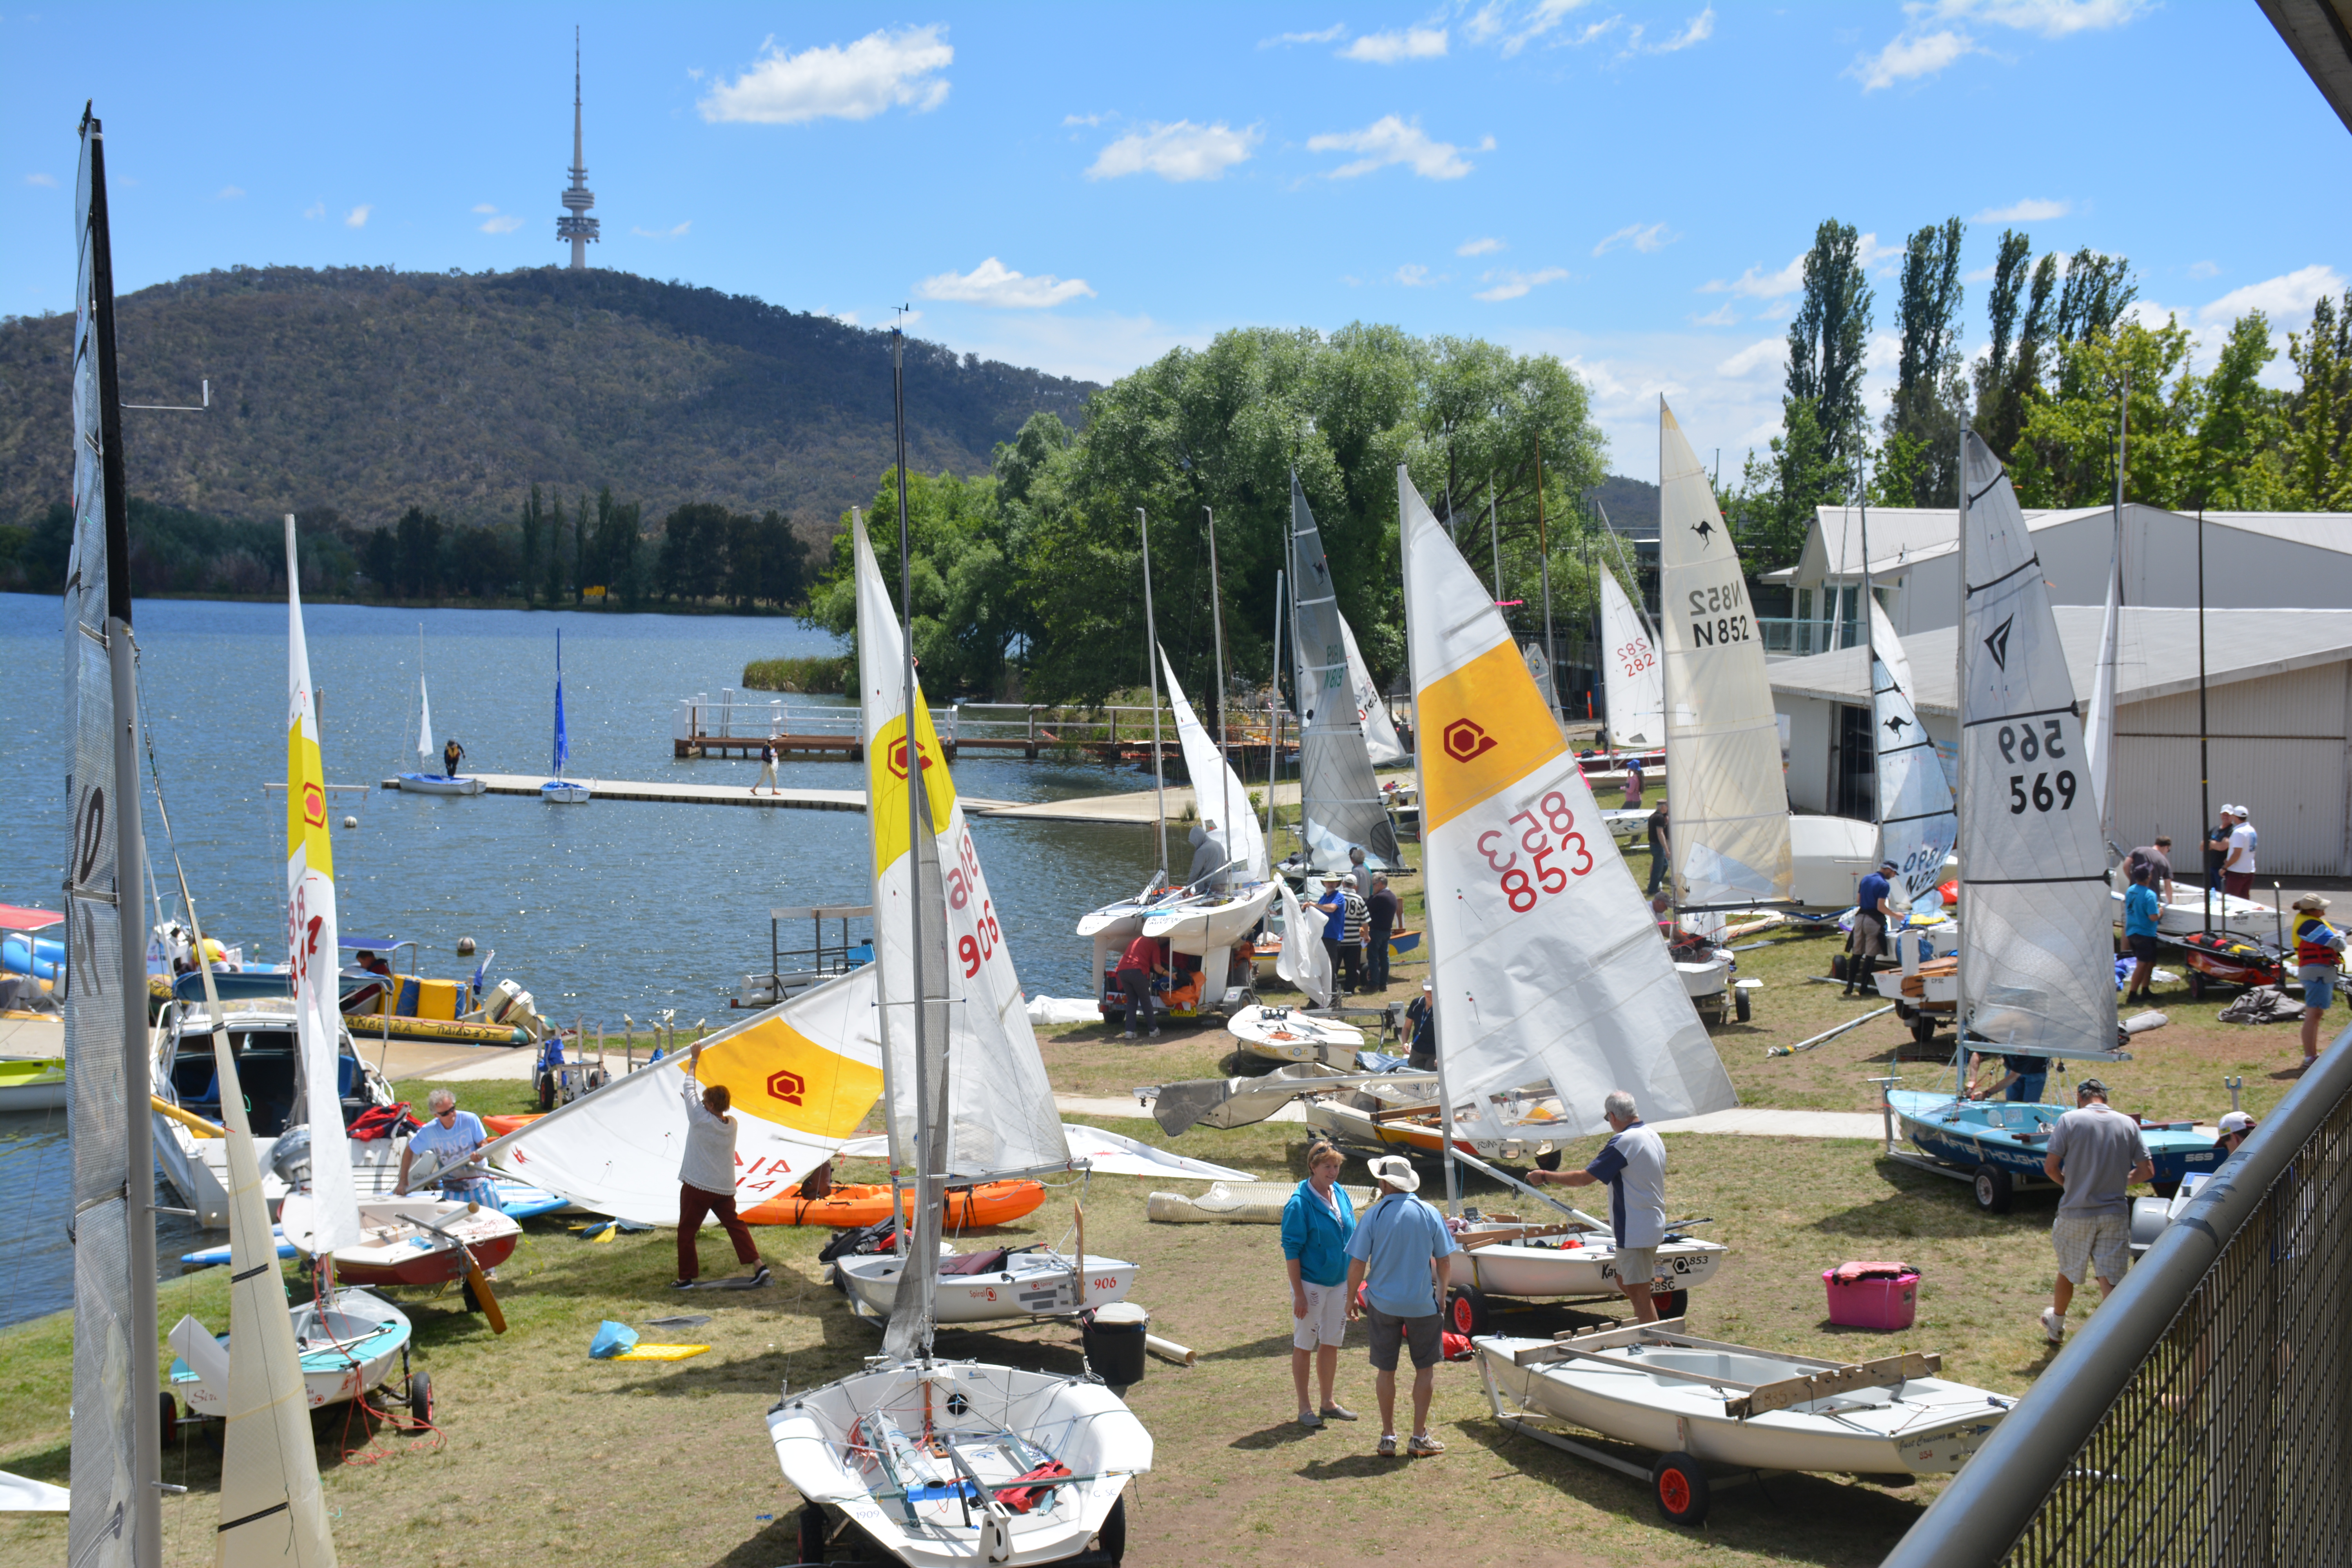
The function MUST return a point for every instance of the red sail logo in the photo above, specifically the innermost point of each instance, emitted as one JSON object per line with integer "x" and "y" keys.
{"x": 897, "y": 759}
{"x": 1464, "y": 740}
{"x": 314, "y": 806}
{"x": 788, "y": 1087}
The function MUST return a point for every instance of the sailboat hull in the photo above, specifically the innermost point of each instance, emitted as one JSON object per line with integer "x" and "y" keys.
{"x": 563, "y": 792}
{"x": 1587, "y": 1267}
{"x": 439, "y": 784}
{"x": 345, "y": 1351}
{"x": 1210, "y": 922}
{"x": 1031, "y": 1285}
{"x": 2014, "y": 1136}
{"x": 844, "y": 1447}
{"x": 394, "y": 1250}
{"x": 1282, "y": 1035}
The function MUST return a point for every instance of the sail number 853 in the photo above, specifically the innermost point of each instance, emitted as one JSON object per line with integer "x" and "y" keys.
{"x": 1524, "y": 885}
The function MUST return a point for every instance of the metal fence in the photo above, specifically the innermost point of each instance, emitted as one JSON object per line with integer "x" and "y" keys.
{"x": 2204, "y": 1415}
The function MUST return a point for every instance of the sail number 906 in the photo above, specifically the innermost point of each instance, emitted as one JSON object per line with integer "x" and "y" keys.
{"x": 987, "y": 935}
{"x": 1522, "y": 886}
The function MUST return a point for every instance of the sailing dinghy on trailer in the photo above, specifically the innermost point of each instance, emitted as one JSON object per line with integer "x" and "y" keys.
{"x": 939, "y": 1462}
{"x": 424, "y": 779}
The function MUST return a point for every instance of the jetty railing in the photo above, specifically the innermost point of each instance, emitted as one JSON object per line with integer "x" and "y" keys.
{"x": 737, "y": 723}
{"x": 2204, "y": 1414}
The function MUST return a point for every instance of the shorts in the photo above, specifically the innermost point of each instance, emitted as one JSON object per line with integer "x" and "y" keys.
{"x": 1868, "y": 937}
{"x": 1326, "y": 1322}
{"x": 1425, "y": 1335}
{"x": 2238, "y": 884}
{"x": 2142, "y": 948}
{"x": 1636, "y": 1265}
{"x": 2319, "y": 982}
{"x": 2091, "y": 1244}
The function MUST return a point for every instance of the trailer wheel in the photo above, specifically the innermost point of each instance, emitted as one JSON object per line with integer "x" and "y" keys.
{"x": 420, "y": 1399}
{"x": 169, "y": 1414}
{"x": 2165, "y": 1189}
{"x": 1923, "y": 1028}
{"x": 2196, "y": 984}
{"x": 1110, "y": 1540}
{"x": 812, "y": 1533}
{"x": 1993, "y": 1189}
{"x": 1467, "y": 1312}
{"x": 1740, "y": 1005}
{"x": 1680, "y": 1486}
{"x": 1671, "y": 1303}
{"x": 465, "y": 1291}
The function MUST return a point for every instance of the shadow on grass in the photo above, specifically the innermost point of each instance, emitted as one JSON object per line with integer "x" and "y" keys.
{"x": 1255, "y": 1349}
{"x": 779, "y": 1542}
{"x": 1353, "y": 1467}
{"x": 1926, "y": 1206}
{"x": 1276, "y": 1436}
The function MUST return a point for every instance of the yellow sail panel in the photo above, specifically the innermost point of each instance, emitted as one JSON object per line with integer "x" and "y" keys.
{"x": 886, "y": 781}
{"x": 1490, "y": 729}
{"x": 306, "y": 786}
{"x": 778, "y": 1074}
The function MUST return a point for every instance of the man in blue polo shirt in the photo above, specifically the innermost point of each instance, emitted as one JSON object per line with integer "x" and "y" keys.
{"x": 1397, "y": 1255}
{"x": 1866, "y": 944}
{"x": 1633, "y": 1164}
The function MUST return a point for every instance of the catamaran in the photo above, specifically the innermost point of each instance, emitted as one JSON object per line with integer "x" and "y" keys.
{"x": 2035, "y": 975}
{"x": 427, "y": 779}
{"x": 560, "y": 790}
{"x": 930, "y": 1460}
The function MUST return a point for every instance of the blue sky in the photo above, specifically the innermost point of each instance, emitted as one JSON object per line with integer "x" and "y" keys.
{"x": 1082, "y": 189}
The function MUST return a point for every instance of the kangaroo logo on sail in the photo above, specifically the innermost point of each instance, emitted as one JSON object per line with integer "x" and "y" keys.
{"x": 788, "y": 1087}
{"x": 898, "y": 757}
{"x": 1997, "y": 645}
{"x": 1464, "y": 740}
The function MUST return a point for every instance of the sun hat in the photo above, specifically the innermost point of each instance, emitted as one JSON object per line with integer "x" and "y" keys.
{"x": 1397, "y": 1171}
{"x": 2236, "y": 1121}
{"x": 2311, "y": 901}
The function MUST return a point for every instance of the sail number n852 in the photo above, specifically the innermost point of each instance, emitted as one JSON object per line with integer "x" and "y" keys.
{"x": 1719, "y": 616}
{"x": 1523, "y": 886}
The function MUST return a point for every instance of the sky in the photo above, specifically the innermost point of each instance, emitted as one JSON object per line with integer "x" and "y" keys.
{"x": 1084, "y": 188}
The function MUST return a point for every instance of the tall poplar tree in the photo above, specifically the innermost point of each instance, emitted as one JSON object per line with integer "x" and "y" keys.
{"x": 1920, "y": 466}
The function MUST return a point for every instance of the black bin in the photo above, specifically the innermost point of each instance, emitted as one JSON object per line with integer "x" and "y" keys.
{"x": 1114, "y": 1340}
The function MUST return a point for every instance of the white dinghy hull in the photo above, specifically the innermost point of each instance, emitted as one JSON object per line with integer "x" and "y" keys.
{"x": 1210, "y": 922}
{"x": 1282, "y": 1035}
{"x": 1924, "y": 1426}
{"x": 842, "y": 1447}
{"x": 346, "y": 1350}
{"x": 439, "y": 784}
{"x": 1532, "y": 1270}
{"x": 1030, "y": 1284}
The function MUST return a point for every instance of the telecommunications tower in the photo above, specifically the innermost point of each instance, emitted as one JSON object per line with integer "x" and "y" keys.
{"x": 575, "y": 225}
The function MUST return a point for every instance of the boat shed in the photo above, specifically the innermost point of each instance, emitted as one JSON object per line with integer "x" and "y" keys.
{"x": 2278, "y": 700}
{"x": 2253, "y": 560}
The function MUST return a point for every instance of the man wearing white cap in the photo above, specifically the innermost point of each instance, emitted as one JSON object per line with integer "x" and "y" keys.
{"x": 1397, "y": 1273}
{"x": 2238, "y": 865}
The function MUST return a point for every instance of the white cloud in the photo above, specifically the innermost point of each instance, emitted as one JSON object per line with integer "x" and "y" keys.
{"x": 1496, "y": 24}
{"x": 1389, "y": 140}
{"x": 48, "y": 181}
{"x": 501, "y": 223}
{"x": 484, "y": 207}
{"x": 884, "y": 69}
{"x": 2284, "y": 297}
{"x": 1509, "y": 285}
{"x": 1413, "y": 275}
{"x": 846, "y": 318}
{"x": 677, "y": 232}
{"x": 1909, "y": 55}
{"x": 1763, "y": 353}
{"x": 2033, "y": 209}
{"x": 315, "y": 210}
{"x": 1754, "y": 285}
{"x": 1721, "y": 316}
{"x": 1647, "y": 241}
{"x": 1869, "y": 253}
{"x": 357, "y": 217}
{"x": 1698, "y": 30}
{"x": 1087, "y": 120}
{"x": 993, "y": 283}
{"x": 1177, "y": 152}
{"x": 1485, "y": 246}
{"x": 1335, "y": 31}
{"x": 2204, "y": 269}
{"x": 230, "y": 193}
{"x": 1934, "y": 35}
{"x": 1403, "y": 44}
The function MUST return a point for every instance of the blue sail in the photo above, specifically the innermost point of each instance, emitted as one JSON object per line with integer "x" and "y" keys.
{"x": 562, "y": 744}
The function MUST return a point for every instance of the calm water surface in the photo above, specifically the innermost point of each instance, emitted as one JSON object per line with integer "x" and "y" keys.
{"x": 601, "y": 910}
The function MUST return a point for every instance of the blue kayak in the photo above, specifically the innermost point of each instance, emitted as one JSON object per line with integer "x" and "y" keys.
{"x": 2011, "y": 1138}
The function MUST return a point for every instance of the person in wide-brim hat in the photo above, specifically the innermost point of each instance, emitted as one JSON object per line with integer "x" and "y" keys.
{"x": 1396, "y": 1279}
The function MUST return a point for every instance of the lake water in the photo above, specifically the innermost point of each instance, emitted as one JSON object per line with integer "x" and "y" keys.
{"x": 602, "y": 910}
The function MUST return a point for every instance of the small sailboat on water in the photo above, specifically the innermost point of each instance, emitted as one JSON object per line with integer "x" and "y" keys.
{"x": 426, "y": 780}
{"x": 934, "y": 1461}
{"x": 559, "y": 789}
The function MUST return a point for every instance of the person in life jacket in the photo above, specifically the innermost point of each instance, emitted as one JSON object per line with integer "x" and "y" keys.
{"x": 2319, "y": 963}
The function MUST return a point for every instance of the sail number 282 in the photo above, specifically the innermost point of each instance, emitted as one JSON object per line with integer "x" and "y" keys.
{"x": 1522, "y": 886}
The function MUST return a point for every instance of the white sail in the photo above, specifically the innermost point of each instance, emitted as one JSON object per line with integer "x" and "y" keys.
{"x": 1916, "y": 825}
{"x": 1724, "y": 774}
{"x": 424, "y": 728}
{"x": 1003, "y": 1118}
{"x": 802, "y": 1075}
{"x": 1546, "y": 963}
{"x": 1339, "y": 800}
{"x": 310, "y": 929}
{"x": 1632, "y": 677}
{"x": 1371, "y": 711}
{"x": 1217, "y": 793}
{"x": 271, "y": 1506}
{"x": 1303, "y": 961}
{"x": 104, "y": 1503}
{"x": 2037, "y": 934}
{"x": 2099, "y": 721}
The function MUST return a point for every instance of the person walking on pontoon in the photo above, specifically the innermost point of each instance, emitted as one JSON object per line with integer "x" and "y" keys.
{"x": 451, "y": 756}
{"x": 768, "y": 767}
{"x": 706, "y": 1180}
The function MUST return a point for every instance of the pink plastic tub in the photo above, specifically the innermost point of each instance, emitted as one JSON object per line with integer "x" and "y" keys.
{"x": 1871, "y": 1303}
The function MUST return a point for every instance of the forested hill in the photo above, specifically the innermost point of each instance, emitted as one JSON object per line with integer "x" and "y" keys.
{"x": 369, "y": 392}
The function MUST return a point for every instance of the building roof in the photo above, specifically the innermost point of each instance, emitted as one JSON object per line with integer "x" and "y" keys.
{"x": 1900, "y": 537}
{"x": 2155, "y": 656}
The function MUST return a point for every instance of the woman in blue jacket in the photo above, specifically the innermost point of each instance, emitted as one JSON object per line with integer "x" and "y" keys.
{"x": 1316, "y": 1225}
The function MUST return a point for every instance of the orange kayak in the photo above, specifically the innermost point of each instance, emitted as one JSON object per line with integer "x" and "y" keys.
{"x": 500, "y": 1126}
{"x": 846, "y": 1208}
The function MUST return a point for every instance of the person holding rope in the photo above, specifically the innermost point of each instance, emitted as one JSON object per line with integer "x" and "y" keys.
{"x": 706, "y": 1180}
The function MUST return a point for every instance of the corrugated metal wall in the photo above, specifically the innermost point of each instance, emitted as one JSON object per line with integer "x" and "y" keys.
{"x": 2279, "y": 747}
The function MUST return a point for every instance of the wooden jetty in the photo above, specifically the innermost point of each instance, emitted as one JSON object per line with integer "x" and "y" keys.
{"x": 685, "y": 793}
{"x": 738, "y": 725}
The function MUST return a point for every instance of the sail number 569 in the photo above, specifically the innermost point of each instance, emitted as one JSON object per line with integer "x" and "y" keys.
{"x": 1522, "y": 886}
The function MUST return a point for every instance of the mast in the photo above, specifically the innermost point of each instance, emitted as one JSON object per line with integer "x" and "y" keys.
{"x": 1151, "y": 666}
{"x": 922, "y": 1255}
{"x": 1274, "y": 721}
{"x": 1217, "y": 623}
{"x": 1960, "y": 773}
{"x": 1494, "y": 540}
{"x": 2204, "y": 742}
{"x": 1543, "y": 557}
{"x": 1870, "y": 650}
{"x": 1421, "y": 794}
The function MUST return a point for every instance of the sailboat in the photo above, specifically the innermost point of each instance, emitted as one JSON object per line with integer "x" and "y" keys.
{"x": 2036, "y": 971}
{"x": 1214, "y": 921}
{"x": 559, "y": 789}
{"x": 930, "y": 1460}
{"x": 1635, "y": 691}
{"x": 1339, "y": 799}
{"x": 426, "y": 779}
{"x": 1380, "y": 742}
{"x": 1917, "y": 823}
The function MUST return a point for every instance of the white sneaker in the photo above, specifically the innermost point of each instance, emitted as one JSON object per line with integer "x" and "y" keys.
{"x": 2053, "y": 1325}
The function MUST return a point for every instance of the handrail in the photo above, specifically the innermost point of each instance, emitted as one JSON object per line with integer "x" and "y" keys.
{"x": 1994, "y": 1498}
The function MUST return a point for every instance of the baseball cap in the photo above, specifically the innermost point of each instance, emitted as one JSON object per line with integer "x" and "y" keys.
{"x": 2091, "y": 1086}
{"x": 1886, "y": 865}
{"x": 2236, "y": 1121}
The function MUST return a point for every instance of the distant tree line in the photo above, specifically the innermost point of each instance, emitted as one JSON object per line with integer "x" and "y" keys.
{"x": 2066, "y": 357}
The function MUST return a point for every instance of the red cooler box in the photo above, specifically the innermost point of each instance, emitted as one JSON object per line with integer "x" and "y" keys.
{"x": 1872, "y": 1295}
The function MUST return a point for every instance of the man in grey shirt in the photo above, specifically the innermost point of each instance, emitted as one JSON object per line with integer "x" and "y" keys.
{"x": 2096, "y": 1153}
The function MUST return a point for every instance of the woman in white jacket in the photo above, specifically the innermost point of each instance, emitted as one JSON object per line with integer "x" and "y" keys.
{"x": 706, "y": 1180}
